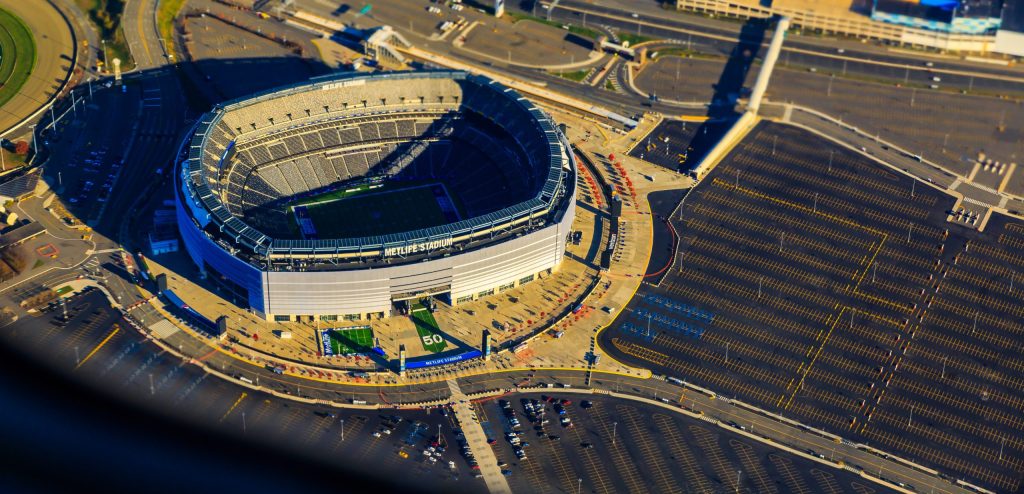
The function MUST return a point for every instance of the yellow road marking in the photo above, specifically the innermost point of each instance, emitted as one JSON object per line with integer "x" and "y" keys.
{"x": 145, "y": 46}
{"x": 235, "y": 405}
{"x": 94, "y": 350}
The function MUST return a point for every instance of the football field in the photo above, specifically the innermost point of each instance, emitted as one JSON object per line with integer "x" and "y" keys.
{"x": 346, "y": 341}
{"x": 428, "y": 331}
{"x": 375, "y": 211}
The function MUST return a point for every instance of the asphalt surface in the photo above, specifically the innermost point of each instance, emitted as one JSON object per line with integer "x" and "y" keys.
{"x": 120, "y": 362}
{"x": 614, "y": 445}
{"x": 903, "y": 115}
{"x": 55, "y": 47}
{"x": 840, "y": 256}
{"x": 652, "y": 21}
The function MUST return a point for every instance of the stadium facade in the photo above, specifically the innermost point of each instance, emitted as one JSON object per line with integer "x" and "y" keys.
{"x": 504, "y": 161}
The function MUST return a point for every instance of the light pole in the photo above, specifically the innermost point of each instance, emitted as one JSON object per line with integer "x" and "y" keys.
{"x": 342, "y": 430}
{"x": 615, "y": 426}
{"x": 579, "y": 485}
{"x": 104, "y": 43}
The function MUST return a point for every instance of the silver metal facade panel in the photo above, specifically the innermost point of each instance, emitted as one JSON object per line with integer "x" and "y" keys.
{"x": 370, "y": 290}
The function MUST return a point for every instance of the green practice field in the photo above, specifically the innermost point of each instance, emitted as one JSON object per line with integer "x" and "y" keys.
{"x": 374, "y": 212}
{"x": 428, "y": 331}
{"x": 17, "y": 55}
{"x": 347, "y": 341}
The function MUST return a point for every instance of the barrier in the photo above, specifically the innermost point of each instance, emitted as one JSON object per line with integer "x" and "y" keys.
{"x": 451, "y": 359}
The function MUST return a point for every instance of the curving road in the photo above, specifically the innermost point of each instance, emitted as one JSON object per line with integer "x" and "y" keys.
{"x": 55, "y": 49}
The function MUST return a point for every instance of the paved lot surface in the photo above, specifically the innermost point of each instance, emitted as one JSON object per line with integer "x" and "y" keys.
{"x": 812, "y": 50}
{"x": 949, "y": 129}
{"x": 678, "y": 145}
{"x": 648, "y": 442}
{"x": 886, "y": 329}
{"x": 232, "y": 62}
{"x": 621, "y": 446}
{"x": 120, "y": 361}
{"x": 527, "y": 43}
{"x": 54, "y": 50}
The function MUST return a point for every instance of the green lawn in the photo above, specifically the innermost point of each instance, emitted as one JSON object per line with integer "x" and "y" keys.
{"x": 165, "y": 20}
{"x": 18, "y": 52}
{"x": 428, "y": 331}
{"x": 375, "y": 212}
{"x": 577, "y": 75}
{"x": 107, "y": 17}
{"x": 633, "y": 38}
{"x": 578, "y": 30}
{"x": 349, "y": 341}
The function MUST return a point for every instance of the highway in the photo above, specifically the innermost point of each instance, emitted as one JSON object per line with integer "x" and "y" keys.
{"x": 867, "y": 64}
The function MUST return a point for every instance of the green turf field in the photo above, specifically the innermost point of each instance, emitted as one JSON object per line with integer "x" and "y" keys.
{"x": 428, "y": 331}
{"x": 349, "y": 341}
{"x": 374, "y": 212}
{"x": 18, "y": 52}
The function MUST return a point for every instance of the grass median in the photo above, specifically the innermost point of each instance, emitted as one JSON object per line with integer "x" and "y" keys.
{"x": 165, "y": 22}
{"x": 107, "y": 16}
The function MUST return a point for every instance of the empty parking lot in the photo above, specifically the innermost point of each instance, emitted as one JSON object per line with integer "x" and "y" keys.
{"x": 813, "y": 282}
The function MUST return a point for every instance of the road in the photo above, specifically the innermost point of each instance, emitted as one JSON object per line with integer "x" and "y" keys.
{"x": 139, "y": 24}
{"x": 862, "y": 63}
{"x": 54, "y": 53}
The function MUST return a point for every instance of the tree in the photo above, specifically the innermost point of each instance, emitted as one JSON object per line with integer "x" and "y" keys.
{"x": 21, "y": 147}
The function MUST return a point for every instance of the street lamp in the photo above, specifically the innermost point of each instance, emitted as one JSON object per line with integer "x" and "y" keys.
{"x": 35, "y": 142}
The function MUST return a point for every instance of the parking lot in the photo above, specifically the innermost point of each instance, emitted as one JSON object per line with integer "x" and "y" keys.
{"x": 232, "y": 60}
{"x": 949, "y": 129}
{"x": 815, "y": 283}
{"x": 612, "y": 445}
{"x": 101, "y": 347}
{"x": 678, "y": 145}
{"x": 88, "y": 159}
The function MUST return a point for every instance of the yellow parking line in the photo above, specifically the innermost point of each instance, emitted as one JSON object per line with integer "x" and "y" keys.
{"x": 94, "y": 350}
{"x": 235, "y": 405}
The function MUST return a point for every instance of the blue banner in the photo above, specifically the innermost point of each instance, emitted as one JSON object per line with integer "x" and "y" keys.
{"x": 451, "y": 359}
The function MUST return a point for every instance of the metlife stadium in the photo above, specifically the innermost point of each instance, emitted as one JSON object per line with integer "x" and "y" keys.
{"x": 341, "y": 195}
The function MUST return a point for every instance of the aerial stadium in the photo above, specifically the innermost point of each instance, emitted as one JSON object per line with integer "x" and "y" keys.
{"x": 351, "y": 194}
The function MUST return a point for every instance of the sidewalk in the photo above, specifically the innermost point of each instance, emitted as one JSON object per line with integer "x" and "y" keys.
{"x": 477, "y": 440}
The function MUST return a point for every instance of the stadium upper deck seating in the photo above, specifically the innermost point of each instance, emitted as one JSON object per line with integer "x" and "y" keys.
{"x": 309, "y": 141}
